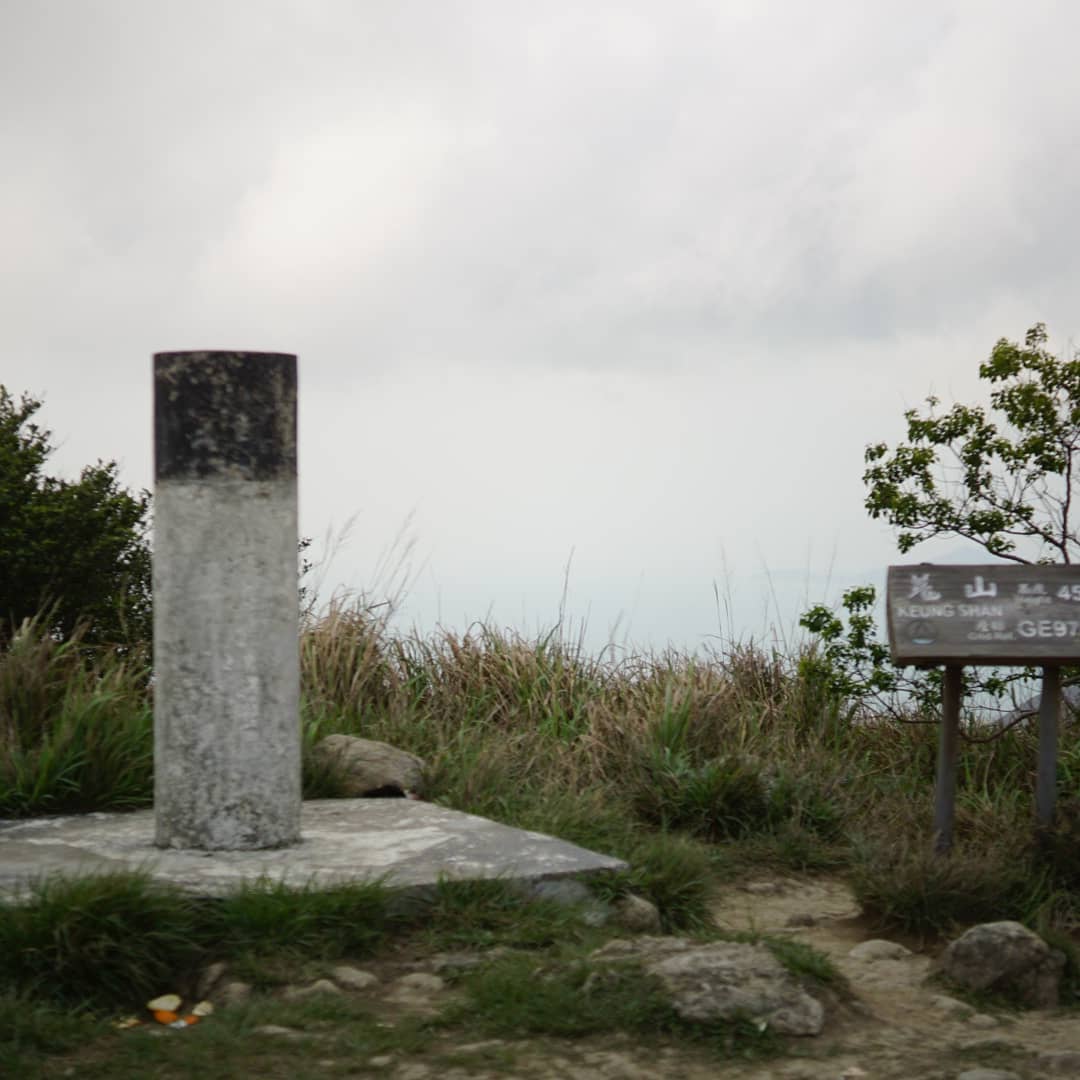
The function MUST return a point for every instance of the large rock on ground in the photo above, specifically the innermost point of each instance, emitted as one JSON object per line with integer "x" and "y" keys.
{"x": 1007, "y": 958}
{"x": 636, "y": 914}
{"x": 369, "y": 767}
{"x": 723, "y": 980}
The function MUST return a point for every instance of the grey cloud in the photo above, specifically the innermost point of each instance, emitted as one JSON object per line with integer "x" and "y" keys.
{"x": 616, "y": 186}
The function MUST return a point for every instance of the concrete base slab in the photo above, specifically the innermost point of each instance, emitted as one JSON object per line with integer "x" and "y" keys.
{"x": 408, "y": 843}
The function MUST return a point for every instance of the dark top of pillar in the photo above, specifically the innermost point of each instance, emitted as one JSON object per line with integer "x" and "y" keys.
{"x": 224, "y": 414}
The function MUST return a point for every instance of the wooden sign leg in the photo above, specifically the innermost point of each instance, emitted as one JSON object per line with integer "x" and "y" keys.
{"x": 1046, "y": 775}
{"x": 945, "y": 793}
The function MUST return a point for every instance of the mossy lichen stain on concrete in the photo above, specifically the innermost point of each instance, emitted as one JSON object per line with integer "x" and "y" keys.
{"x": 225, "y": 414}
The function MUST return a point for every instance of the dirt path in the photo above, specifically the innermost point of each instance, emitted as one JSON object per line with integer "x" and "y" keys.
{"x": 898, "y": 1028}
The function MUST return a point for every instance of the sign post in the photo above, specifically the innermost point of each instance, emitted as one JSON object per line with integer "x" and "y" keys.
{"x": 1046, "y": 774}
{"x": 945, "y": 790}
{"x": 986, "y": 615}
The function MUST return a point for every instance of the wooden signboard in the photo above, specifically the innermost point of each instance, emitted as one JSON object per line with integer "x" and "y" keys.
{"x": 1004, "y": 613}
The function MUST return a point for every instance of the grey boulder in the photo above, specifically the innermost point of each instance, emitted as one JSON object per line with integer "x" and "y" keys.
{"x": 368, "y": 767}
{"x": 723, "y": 981}
{"x": 1007, "y": 958}
{"x": 636, "y": 914}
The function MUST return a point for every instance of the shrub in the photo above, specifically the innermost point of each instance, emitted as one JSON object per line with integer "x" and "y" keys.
{"x": 81, "y": 547}
{"x": 903, "y": 883}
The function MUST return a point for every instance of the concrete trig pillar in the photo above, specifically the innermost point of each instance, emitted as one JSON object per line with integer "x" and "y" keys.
{"x": 226, "y": 653}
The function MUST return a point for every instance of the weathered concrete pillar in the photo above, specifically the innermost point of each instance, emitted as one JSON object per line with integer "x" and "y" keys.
{"x": 226, "y": 655}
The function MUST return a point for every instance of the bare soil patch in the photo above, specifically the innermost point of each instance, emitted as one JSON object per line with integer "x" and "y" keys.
{"x": 898, "y": 1027}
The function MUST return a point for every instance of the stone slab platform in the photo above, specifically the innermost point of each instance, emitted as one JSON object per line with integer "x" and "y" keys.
{"x": 410, "y": 844}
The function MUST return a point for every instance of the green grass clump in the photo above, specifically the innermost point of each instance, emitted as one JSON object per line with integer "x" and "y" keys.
{"x": 97, "y": 940}
{"x": 120, "y": 938}
{"x": 76, "y": 727}
{"x": 677, "y": 873}
{"x": 32, "y": 1030}
{"x": 462, "y": 915}
{"x": 718, "y": 799}
{"x": 318, "y": 922}
{"x": 520, "y": 995}
{"x": 805, "y": 962}
{"x": 524, "y": 995}
{"x": 904, "y": 884}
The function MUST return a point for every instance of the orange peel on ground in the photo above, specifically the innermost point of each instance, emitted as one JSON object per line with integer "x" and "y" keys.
{"x": 166, "y": 1010}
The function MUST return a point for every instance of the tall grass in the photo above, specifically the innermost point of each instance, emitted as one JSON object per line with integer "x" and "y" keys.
{"x": 736, "y": 755}
{"x": 76, "y": 727}
{"x": 740, "y": 749}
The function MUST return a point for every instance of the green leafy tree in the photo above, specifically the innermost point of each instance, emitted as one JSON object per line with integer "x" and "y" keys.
{"x": 79, "y": 549}
{"x": 1004, "y": 478}
{"x": 1005, "y": 482}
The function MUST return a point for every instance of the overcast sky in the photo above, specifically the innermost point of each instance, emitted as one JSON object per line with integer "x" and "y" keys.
{"x": 623, "y": 286}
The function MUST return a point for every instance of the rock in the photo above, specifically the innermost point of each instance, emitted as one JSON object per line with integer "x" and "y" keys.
{"x": 278, "y": 1030}
{"x": 643, "y": 948}
{"x": 983, "y": 1020}
{"x": 571, "y": 893}
{"x": 763, "y": 888}
{"x": 987, "y": 1045}
{"x": 367, "y": 766}
{"x": 350, "y": 978}
{"x": 564, "y": 891}
{"x": 878, "y": 949}
{"x": 415, "y": 1070}
{"x": 208, "y": 979}
{"x": 484, "y": 1047}
{"x": 231, "y": 993}
{"x": 721, "y": 980}
{"x": 417, "y": 992}
{"x": 300, "y": 993}
{"x": 452, "y": 963}
{"x": 381, "y": 1061}
{"x": 1066, "y": 1062}
{"x": 1007, "y": 958}
{"x": 596, "y": 914}
{"x": 949, "y": 1004}
{"x": 420, "y": 982}
{"x": 636, "y": 914}
{"x": 800, "y": 919}
{"x": 987, "y": 1074}
{"x": 611, "y": 1063}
